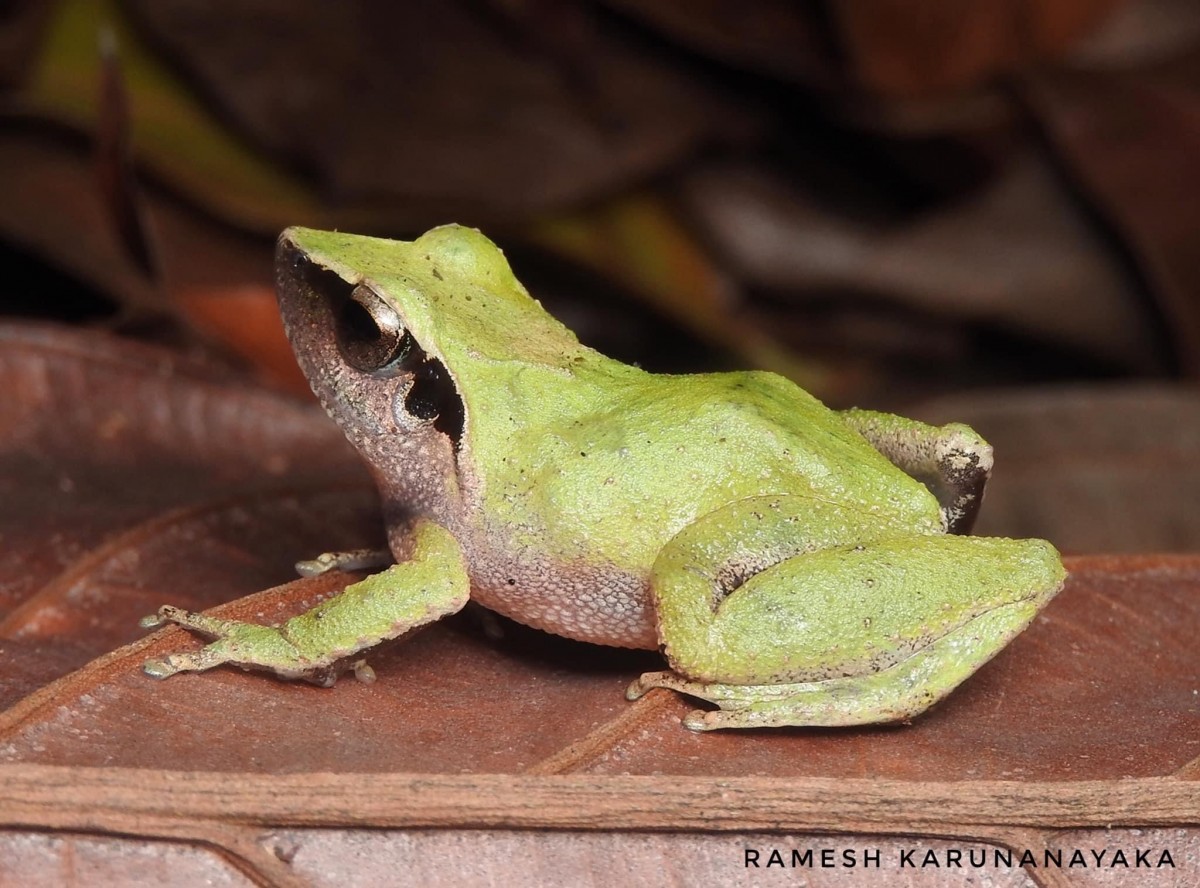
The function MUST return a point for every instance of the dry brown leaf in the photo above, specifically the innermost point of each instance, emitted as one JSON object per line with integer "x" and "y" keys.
{"x": 141, "y": 475}
{"x": 1015, "y": 255}
{"x": 909, "y": 48}
{"x": 481, "y": 117}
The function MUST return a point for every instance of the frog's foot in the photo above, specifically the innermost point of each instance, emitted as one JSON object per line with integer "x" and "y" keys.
{"x": 355, "y": 559}
{"x": 242, "y": 644}
{"x": 694, "y": 720}
{"x": 898, "y": 693}
{"x": 741, "y": 706}
{"x": 803, "y": 704}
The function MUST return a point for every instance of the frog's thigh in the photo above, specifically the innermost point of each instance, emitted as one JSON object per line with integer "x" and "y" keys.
{"x": 431, "y": 584}
{"x": 850, "y": 635}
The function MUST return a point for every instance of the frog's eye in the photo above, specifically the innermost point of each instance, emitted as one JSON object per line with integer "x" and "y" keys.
{"x": 370, "y": 333}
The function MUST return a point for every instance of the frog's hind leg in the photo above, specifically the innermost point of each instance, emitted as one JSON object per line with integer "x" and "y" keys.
{"x": 787, "y": 610}
{"x": 951, "y": 460}
{"x": 898, "y": 693}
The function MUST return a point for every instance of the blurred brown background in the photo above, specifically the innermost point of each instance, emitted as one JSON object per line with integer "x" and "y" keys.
{"x": 985, "y": 211}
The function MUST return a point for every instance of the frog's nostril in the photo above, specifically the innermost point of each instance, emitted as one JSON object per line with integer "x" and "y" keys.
{"x": 370, "y": 334}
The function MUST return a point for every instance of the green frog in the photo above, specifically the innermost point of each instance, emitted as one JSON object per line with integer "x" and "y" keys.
{"x": 796, "y": 565}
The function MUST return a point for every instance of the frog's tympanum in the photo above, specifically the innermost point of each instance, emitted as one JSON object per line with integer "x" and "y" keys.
{"x": 796, "y": 565}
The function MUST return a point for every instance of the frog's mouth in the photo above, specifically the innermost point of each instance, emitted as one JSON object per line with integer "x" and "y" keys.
{"x": 358, "y": 355}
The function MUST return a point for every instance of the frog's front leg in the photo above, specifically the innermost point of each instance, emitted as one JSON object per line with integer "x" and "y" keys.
{"x": 853, "y": 622}
{"x": 953, "y": 461}
{"x": 431, "y": 584}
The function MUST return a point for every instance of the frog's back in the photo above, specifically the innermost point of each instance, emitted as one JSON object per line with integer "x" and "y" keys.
{"x": 743, "y": 434}
{"x": 621, "y": 480}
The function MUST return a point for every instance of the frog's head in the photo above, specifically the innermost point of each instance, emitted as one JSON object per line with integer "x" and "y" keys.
{"x": 401, "y": 340}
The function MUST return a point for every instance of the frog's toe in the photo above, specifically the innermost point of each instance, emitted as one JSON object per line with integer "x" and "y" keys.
{"x": 173, "y": 664}
{"x": 210, "y": 627}
{"x": 163, "y": 668}
{"x": 743, "y": 716}
{"x": 639, "y": 687}
{"x": 650, "y": 680}
{"x": 355, "y": 559}
{"x": 703, "y": 720}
